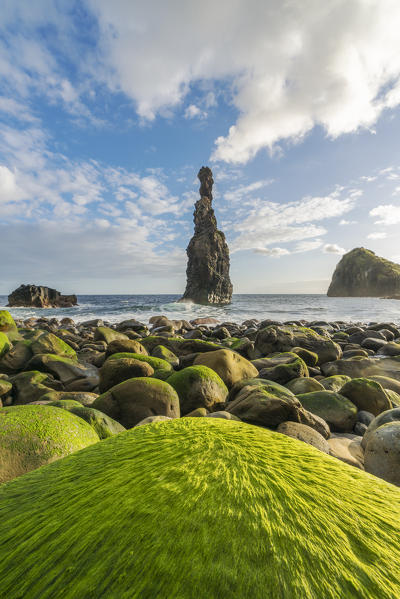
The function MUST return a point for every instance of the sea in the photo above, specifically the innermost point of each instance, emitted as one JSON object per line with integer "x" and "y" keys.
{"x": 115, "y": 308}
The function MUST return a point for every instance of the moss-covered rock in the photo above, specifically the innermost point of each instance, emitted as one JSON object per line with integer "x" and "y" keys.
{"x": 30, "y": 386}
{"x": 263, "y": 517}
{"x": 118, "y": 370}
{"x": 309, "y": 357}
{"x": 125, "y": 345}
{"x": 198, "y": 387}
{"x": 338, "y": 411}
{"x": 165, "y": 354}
{"x": 8, "y": 326}
{"x": 274, "y": 388}
{"x": 103, "y": 425}
{"x": 304, "y": 385}
{"x": 283, "y": 338}
{"x": 334, "y": 382}
{"x": 156, "y": 363}
{"x": 66, "y": 404}
{"x": 358, "y": 367}
{"x": 65, "y": 369}
{"x": 367, "y": 395}
{"x": 16, "y": 358}
{"x": 50, "y": 344}
{"x": 230, "y": 366}
{"x": 284, "y": 367}
{"x": 136, "y": 399}
{"x": 4, "y": 344}
{"x": 31, "y": 436}
{"x": 180, "y": 347}
{"x": 85, "y": 399}
{"x": 108, "y": 335}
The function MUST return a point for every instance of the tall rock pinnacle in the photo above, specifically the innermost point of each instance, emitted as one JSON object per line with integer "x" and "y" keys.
{"x": 207, "y": 271}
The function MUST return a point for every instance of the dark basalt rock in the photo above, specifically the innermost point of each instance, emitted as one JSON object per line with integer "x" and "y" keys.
{"x": 40, "y": 297}
{"x": 360, "y": 273}
{"x": 207, "y": 271}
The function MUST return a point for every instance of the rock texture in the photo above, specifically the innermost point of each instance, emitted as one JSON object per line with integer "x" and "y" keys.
{"x": 360, "y": 273}
{"x": 207, "y": 271}
{"x": 40, "y": 297}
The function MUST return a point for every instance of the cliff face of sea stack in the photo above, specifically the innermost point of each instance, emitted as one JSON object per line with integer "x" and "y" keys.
{"x": 37, "y": 296}
{"x": 360, "y": 273}
{"x": 207, "y": 271}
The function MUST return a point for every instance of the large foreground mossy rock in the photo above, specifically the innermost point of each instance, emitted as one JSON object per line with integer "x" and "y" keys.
{"x": 264, "y": 517}
{"x": 31, "y": 436}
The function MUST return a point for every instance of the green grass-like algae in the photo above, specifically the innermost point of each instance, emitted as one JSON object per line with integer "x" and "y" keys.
{"x": 199, "y": 508}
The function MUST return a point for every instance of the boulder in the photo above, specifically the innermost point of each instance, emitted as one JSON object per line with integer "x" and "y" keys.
{"x": 334, "y": 382}
{"x": 125, "y": 345}
{"x": 85, "y": 399}
{"x": 8, "y": 326}
{"x": 304, "y": 433}
{"x": 304, "y": 385}
{"x": 108, "y": 335}
{"x": 157, "y": 364}
{"x": 198, "y": 387}
{"x": 275, "y": 516}
{"x": 165, "y": 354}
{"x": 31, "y": 385}
{"x": 136, "y": 399}
{"x": 116, "y": 371}
{"x": 282, "y": 338}
{"x": 382, "y": 453}
{"x": 4, "y": 344}
{"x": 16, "y": 357}
{"x": 37, "y": 296}
{"x": 31, "y": 436}
{"x": 347, "y": 448}
{"x": 48, "y": 343}
{"x": 230, "y": 366}
{"x": 102, "y": 424}
{"x": 338, "y": 411}
{"x": 283, "y": 367}
{"x": 65, "y": 369}
{"x": 152, "y": 420}
{"x": 367, "y": 395}
{"x": 386, "y": 417}
{"x": 222, "y": 414}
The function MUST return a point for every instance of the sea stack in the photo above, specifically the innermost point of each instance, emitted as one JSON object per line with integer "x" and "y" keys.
{"x": 361, "y": 273}
{"x": 207, "y": 271}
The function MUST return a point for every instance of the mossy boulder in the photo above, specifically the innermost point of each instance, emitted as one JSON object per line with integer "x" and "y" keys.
{"x": 65, "y": 369}
{"x": 334, "y": 382}
{"x": 198, "y": 387}
{"x": 31, "y": 436}
{"x": 338, "y": 411}
{"x": 284, "y": 367}
{"x": 136, "y": 399}
{"x": 66, "y": 404}
{"x": 309, "y": 357}
{"x": 165, "y": 354}
{"x": 229, "y": 365}
{"x": 103, "y": 425}
{"x": 273, "y": 387}
{"x": 304, "y": 385}
{"x": 367, "y": 395}
{"x": 48, "y": 343}
{"x": 125, "y": 345}
{"x": 358, "y": 367}
{"x": 282, "y": 338}
{"x": 263, "y": 517}
{"x": 16, "y": 358}
{"x": 4, "y": 344}
{"x": 387, "y": 383}
{"x": 108, "y": 335}
{"x": 8, "y": 326}
{"x": 31, "y": 385}
{"x": 116, "y": 371}
{"x": 156, "y": 363}
{"x": 5, "y": 388}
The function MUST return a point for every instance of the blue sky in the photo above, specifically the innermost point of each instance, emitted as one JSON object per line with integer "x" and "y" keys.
{"x": 108, "y": 110}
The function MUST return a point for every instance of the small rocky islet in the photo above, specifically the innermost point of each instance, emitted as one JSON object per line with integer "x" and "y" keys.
{"x": 134, "y": 420}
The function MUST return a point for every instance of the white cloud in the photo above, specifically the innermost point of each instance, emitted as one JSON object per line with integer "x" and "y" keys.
{"x": 377, "y": 235}
{"x": 387, "y": 214}
{"x": 286, "y": 73}
{"x": 344, "y": 222}
{"x": 274, "y": 252}
{"x": 307, "y": 246}
{"x": 333, "y": 248}
{"x": 194, "y": 111}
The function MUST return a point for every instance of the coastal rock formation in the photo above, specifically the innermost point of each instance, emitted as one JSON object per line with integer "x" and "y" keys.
{"x": 40, "y": 297}
{"x": 207, "y": 271}
{"x": 360, "y": 273}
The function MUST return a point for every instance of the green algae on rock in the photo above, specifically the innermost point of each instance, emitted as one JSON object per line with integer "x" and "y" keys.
{"x": 198, "y": 387}
{"x": 250, "y": 523}
{"x": 31, "y": 436}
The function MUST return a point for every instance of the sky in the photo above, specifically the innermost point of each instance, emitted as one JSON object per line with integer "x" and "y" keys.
{"x": 109, "y": 109}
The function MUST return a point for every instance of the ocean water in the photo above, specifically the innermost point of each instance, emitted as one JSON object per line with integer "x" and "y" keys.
{"x": 114, "y": 308}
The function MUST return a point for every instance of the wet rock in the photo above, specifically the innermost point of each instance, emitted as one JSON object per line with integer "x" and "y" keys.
{"x": 40, "y": 297}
